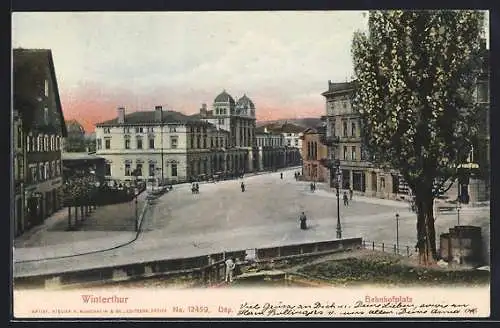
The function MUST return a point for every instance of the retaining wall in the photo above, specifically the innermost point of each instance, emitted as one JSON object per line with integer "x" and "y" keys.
{"x": 178, "y": 266}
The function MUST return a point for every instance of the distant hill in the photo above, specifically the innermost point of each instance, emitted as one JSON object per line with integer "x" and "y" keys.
{"x": 307, "y": 122}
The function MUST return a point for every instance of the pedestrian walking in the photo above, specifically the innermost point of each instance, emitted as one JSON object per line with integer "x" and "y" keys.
{"x": 346, "y": 199}
{"x": 230, "y": 266}
{"x": 303, "y": 221}
{"x": 242, "y": 186}
{"x": 281, "y": 175}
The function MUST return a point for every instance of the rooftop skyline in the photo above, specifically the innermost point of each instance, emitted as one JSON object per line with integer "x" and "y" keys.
{"x": 280, "y": 60}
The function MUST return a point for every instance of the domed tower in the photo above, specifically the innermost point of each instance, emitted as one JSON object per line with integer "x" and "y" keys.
{"x": 224, "y": 104}
{"x": 245, "y": 107}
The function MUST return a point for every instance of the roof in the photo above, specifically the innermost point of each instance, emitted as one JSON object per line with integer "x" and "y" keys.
{"x": 245, "y": 102}
{"x": 79, "y": 156}
{"x": 141, "y": 117}
{"x": 334, "y": 87}
{"x": 224, "y": 97}
{"x": 29, "y": 73}
{"x": 311, "y": 131}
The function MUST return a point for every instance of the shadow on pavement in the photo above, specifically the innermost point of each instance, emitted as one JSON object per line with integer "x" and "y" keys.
{"x": 117, "y": 217}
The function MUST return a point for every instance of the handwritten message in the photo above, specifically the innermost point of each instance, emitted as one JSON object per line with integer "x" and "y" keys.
{"x": 357, "y": 308}
{"x": 255, "y": 303}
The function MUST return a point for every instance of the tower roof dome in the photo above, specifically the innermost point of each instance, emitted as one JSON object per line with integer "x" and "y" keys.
{"x": 245, "y": 101}
{"x": 224, "y": 97}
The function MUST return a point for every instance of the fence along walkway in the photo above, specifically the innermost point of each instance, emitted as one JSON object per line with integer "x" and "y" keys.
{"x": 403, "y": 250}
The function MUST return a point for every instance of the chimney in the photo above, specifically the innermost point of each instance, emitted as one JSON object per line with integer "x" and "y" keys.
{"x": 203, "y": 110}
{"x": 158, "y": 113}
{"x": 121, "y": 115}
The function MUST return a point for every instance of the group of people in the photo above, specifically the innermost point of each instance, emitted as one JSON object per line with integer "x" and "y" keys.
{"x": 347, "y": 198}
{"x": 313, "y": 187}
{"x": 195, "y": 188}
{"x": 296, "y": 175}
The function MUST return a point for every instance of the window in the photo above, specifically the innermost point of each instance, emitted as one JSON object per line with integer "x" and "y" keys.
{"x": 174, "y": 169}
{"x": 353, "y": 129}
{"x": 99, "y": 143}
{"x": 139, "y": 169}
{"x": 107, "y": 130}
{"x": 33, "y": 174}
{"x": 57, "y": 143}
{"x": 345, "y": 153}
{"x": 151, "y": 143}
{"x": 344, "y": 103}
{"x": 107, "y": 143}
{"x": 212, "y": 142}
{"x": 127, "y": 143}
{"x": 46, "y": 143}
{"x": 46, "y": 115}
{"x": 173, "y": 142}
{"x": 107, "y": 168}
{"x": 150, "y": 130}
{"x": 204, "y": 143}
{"x": 151, "y": 169}
{"x": 344, "y": 126}
{"x": 353, "y": 153}
{"x": 28, "y": 143}
{"x": 51, "y": 143}
{"x": 289, "y": 142}
{"x": 192, "y": 141}
{"x": 126, "y": 130}
{"x": 46, "y": 88}
{"x": 296, "y": 142}
{"x": 40, "y": 171}
{"x": 139, "y": 143}
{"x": 198, "y": 142}
{"x": 53, "y": 168}
{"x": 19, "y": 137}
{"x": 221, "y": 121}
{"x": 172, "y": 129}
{"x": 127, "y": 169}
{"x": 139, "y": 130}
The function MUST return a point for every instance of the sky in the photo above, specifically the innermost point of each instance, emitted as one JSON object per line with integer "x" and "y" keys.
{"x": 104, "y": 60}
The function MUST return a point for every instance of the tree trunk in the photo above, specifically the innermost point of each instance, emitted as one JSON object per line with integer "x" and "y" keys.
{"x": 426, "y": 234}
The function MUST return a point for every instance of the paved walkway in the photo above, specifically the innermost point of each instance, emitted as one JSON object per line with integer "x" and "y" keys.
{"x": 106, "y": 227}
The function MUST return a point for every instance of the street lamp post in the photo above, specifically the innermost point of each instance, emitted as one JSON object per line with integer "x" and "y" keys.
{"x": 397, "y": 233}
{"x": 136, "y": 213}
{"x": 459, "y": 233}
{"x": 337, "y": 172}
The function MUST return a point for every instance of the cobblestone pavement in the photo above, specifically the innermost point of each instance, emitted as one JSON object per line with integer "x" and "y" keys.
{"x": 222, "y": 218}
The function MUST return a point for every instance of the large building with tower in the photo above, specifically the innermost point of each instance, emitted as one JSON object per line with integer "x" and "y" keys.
{"x": 170, "y": 146}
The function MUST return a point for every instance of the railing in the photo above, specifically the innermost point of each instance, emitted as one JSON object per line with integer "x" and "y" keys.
{"x": 403, "y": 250}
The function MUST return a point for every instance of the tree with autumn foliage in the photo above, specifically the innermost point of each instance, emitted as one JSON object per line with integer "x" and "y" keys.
{"x": 415, "y": 75}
